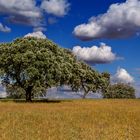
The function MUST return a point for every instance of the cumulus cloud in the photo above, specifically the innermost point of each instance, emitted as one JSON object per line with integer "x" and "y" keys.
{"x": 94, "y": 54}
{"x": 137, "y": 88}
{"x": 120, "y": 21}
{"x": 21, "y": 11}
{"x": 29, "y": 13}
{"x": 4, "y": 28}
{"x": 122, "y": 76}
{"x": 38, "y": 34}
{"x": 56, "y": 7}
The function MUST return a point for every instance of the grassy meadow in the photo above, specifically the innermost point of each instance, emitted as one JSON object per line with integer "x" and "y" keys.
{"x": 70, "y": 120}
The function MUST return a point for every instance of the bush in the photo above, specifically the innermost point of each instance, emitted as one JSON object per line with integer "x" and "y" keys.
{"x": 120, "y": 91}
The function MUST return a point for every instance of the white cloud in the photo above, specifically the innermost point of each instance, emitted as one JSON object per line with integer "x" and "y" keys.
{"x": 25, "y": 8}
{"x": 21, "y": 11}
{"x": 38, "y": 34}
{"x": 94, "y": 54}
{"x": 137, "y": 88}
{"x": 122, "y": 76}
{"x": 28, "y": 12}
{"x": 56, "y": 7}
{"x": 4, "y": 28}
{"x": 121, "y": 20}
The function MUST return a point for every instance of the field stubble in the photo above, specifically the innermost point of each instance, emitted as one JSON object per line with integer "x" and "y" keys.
{"x": 71, "y": 120}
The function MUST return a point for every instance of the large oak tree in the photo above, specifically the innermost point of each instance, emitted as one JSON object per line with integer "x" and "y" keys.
{"x": 33, "y": 65}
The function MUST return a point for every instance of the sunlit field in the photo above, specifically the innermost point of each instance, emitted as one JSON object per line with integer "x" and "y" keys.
{"x": 70, "y": 120}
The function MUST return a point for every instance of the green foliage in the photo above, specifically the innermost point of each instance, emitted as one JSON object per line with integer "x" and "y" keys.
{"x": 105, "y": 82}
{"x": 119, "y": 91}
{"x": 15, "y": 92}
{"x": 87, "y": 79}
{"x": 34, "y": 64}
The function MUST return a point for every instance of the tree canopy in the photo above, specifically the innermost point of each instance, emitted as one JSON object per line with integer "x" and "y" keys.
{"x": 87, "y": 79}
{"x": 31, "y": 63}
{"x": 119, "y": 90}
{"x": 34, "y": 65}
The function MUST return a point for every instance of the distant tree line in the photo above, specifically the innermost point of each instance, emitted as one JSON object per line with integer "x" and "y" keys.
{"x": 29, "y": 66}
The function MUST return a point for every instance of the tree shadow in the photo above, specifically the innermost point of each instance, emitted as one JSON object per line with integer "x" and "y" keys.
{"x": 38, "y": 101}
{"x": 35, "y": 100}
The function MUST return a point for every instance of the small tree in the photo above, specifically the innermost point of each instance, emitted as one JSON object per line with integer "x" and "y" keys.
{"x": 86, "y": 79}
{"x": 119, "y": 91}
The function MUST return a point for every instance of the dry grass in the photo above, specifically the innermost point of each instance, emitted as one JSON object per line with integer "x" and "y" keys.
{"x": 71, "y": 120}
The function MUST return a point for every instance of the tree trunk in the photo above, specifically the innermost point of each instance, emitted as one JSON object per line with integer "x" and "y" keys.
{"x": 86, "y": 91}
{"x": 29, "y": 94}
{"x": 85, "y": 94}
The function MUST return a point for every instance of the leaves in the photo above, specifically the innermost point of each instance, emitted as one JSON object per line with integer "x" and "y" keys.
{"x": 40, "y": 64}
{"x": 120, "y": 91}
{"x": 33, "y": 62}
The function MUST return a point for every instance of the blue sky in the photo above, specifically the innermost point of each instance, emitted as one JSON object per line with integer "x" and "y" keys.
{"x": 59, "y": 25}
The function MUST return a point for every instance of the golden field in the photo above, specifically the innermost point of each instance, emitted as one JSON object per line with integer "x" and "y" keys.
{"x": 71, "y": 120}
